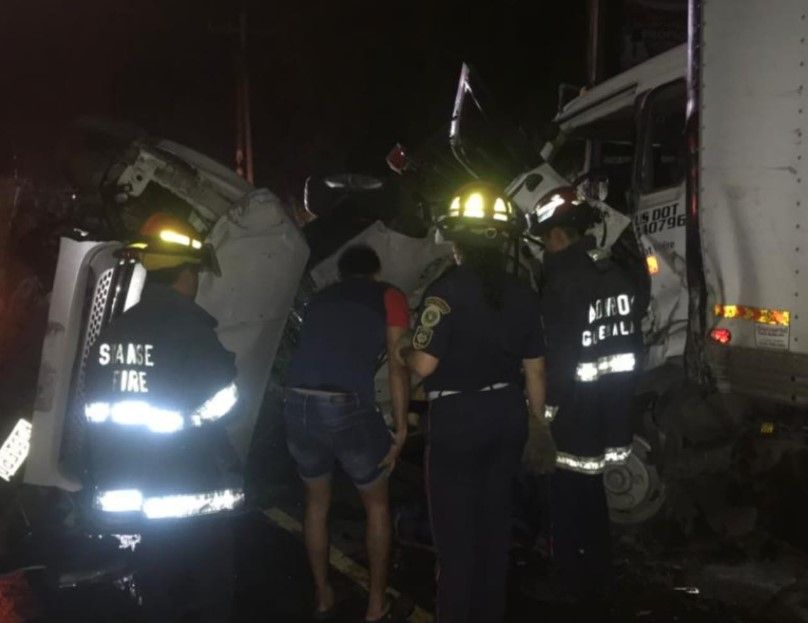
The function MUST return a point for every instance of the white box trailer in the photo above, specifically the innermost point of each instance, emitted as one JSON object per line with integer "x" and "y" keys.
{"x": 751, "y": 193}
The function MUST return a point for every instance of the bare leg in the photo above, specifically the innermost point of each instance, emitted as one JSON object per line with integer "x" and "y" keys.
{"x": 315, "y": 533}
{"x": 376, "y": 499}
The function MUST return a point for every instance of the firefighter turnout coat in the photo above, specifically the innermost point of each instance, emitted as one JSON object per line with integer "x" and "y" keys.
{"x": 593, "y": 346}
{"x": 159, "y": 386}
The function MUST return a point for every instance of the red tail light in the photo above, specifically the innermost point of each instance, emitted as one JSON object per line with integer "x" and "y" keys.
{"x": 722, "y": 336}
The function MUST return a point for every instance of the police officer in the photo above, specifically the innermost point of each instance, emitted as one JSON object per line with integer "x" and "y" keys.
{"x": 159, "y": 387}
{"x": 477, "y": 331}
{"x": 593, "y": 346}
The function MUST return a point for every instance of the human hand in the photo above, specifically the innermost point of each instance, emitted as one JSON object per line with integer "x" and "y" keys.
{"x": 399, "y": 438}
{"x": 539, "y": 456}
{"x": 403, "y": 345}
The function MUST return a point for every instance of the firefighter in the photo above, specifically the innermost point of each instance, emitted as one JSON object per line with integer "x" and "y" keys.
{"x": 477, "y": 331}
{"x": 159, "y": 389}
{"x": 593, "y": 346}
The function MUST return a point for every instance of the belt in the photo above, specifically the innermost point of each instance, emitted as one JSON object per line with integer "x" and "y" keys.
{"x": 332, "y": 397}
{"x": 442, "y": 393}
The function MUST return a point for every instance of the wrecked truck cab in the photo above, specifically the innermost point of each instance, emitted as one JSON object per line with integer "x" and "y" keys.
{"x": 262, "y": 255}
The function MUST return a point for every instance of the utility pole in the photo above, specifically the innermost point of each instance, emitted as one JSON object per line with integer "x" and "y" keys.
{"x": 594, "y": 73}
{"x": 244, "y": 151}
{"x": 594, "y": 56}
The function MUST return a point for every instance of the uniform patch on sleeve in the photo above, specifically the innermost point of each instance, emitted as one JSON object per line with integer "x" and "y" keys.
{"x": 431, "y": 316}
{"x": 434, "y": 310}
{"x": 438, "y": 302}
{"x": 422, "y": 338}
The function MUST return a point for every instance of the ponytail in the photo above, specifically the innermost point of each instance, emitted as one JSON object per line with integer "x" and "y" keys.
{"x": 489, "y": 264}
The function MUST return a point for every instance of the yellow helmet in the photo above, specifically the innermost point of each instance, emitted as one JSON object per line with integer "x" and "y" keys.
{"x": 480, "y": 209}
{"x": 165, "y": 241}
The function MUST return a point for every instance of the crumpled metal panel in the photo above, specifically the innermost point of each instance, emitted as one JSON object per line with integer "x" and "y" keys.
{"x": 405, "y": 260}
{"x": 263, "y": 255}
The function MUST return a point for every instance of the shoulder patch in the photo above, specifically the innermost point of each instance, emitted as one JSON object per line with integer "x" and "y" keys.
{"x": 431, "y": 316}
{"x": 422, "y": 338}
{"x": 438, "y": 302}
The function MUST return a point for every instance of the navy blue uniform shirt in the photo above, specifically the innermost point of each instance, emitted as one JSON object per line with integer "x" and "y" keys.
{"x": 476, "y": 344}
{"x": 344, "y": 335}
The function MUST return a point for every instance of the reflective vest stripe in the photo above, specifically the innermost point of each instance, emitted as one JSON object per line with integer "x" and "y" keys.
{"x": 593, "y": 464}
{"x": 157, "y": 420}
{"x": 591, "y": 371}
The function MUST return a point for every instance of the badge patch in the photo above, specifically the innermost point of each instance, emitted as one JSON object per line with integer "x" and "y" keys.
{"x": 438, "y": 302}
{"x": 431, "y": 316}
{"x": 422, "y": 338}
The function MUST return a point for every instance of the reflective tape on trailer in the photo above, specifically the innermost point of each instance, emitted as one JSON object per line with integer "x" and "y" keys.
{"x": 779, "y": 317}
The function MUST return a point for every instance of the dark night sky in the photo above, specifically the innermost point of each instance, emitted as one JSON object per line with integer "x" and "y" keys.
{"x": 335, "y": 83}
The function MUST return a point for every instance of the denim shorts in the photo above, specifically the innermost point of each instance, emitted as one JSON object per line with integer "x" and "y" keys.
{"x": 322, "y": 430}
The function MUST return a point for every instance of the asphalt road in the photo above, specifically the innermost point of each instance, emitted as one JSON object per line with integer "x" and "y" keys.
{"x": 273, "y": 583}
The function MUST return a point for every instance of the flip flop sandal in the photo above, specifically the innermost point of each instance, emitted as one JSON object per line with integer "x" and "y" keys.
{"x": 325, "y": 615}
{"x": 397, "y": 610}
{"x": 387, "y": 616}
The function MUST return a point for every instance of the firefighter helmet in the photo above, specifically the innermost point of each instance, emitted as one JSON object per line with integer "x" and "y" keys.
{"x": 563, "y": 207}
{"x": 165, "y": 241}
{"x": 480, "y": 211}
